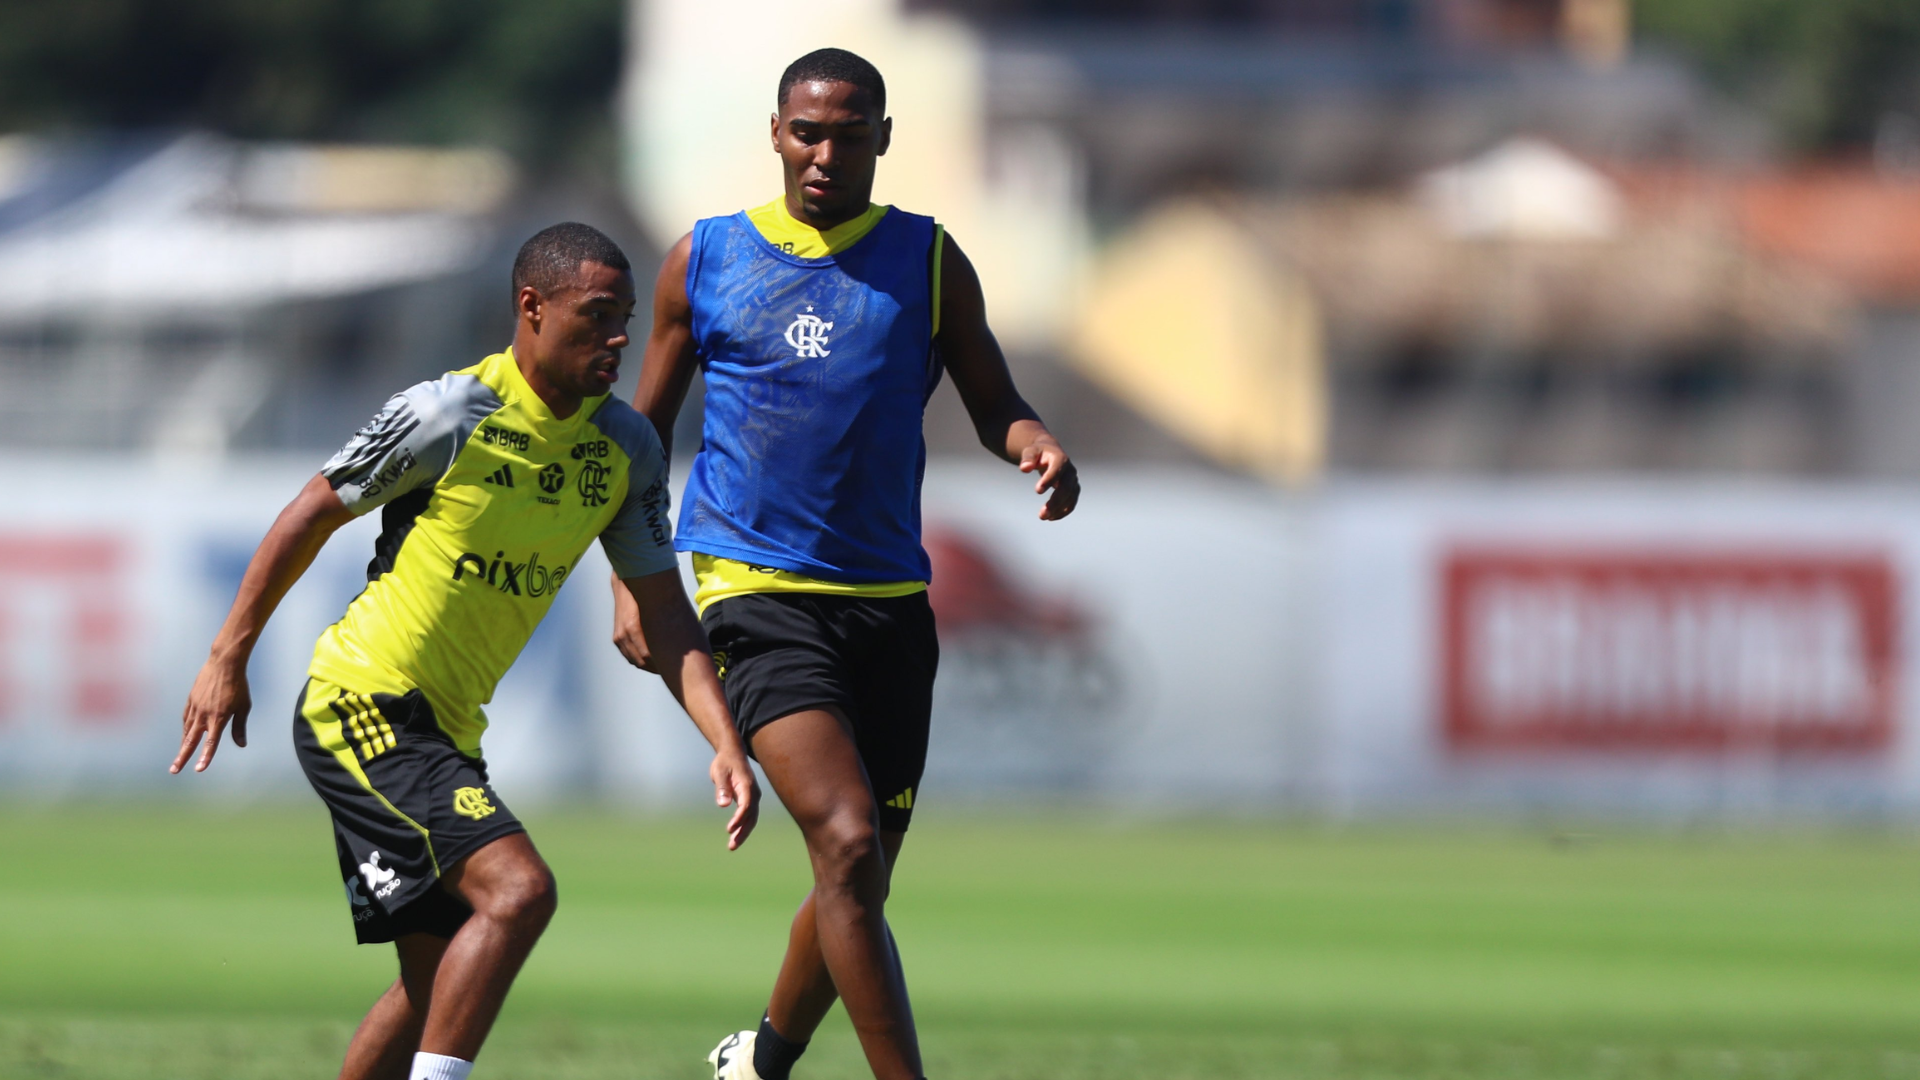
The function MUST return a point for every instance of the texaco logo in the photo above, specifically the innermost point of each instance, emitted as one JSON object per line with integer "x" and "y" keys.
{"x": 552, "y": 479}
{"x": 808, "y": 334}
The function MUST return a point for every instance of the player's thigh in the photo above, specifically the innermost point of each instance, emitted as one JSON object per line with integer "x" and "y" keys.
{"x": 406, "y": 805}
{"x": 897, "y": 653}
{"x": 811, "y": 759}
{"x": 776, "y": 658}
{"x": 506, "y": 875}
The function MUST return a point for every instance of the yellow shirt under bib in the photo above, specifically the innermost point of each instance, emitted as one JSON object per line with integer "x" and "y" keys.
{"x": 717, "y": 578}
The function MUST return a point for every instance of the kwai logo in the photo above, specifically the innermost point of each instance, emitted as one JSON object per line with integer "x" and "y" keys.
{"x": 394, "y": 470}
{"x": 516, "y": 578}
{"x": 808, "y": 335}
{"x": 654, "y": 501}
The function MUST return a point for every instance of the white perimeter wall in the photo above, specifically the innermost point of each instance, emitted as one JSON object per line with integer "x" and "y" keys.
{"x": 1183, "y": 639}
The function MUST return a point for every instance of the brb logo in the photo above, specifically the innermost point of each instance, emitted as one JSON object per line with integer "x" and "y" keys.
{"x": 808, "y": 335}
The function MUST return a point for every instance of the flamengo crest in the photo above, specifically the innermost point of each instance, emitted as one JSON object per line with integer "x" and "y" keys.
{"x": 808, "y": 335}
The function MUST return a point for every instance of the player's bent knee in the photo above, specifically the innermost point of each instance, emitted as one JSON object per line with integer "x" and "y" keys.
{"x": 847, "y": 847}
{"x": 526, "y": 898}
{"x": 535, "y": 899}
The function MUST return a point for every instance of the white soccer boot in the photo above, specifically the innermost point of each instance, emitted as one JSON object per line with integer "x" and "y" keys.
{"x": 733, "y": 1058}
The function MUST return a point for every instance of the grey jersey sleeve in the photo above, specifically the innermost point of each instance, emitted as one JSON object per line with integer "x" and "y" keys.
{"x": 639, "y": 539}
{"x": 411, "y": 443}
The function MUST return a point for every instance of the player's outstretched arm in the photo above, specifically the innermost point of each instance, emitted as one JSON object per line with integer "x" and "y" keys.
{"x": 668, "y": 364}
{"x": 219, "y": 694}
{"x": 668, "y": 641}
{"x": 1006, "y": 424}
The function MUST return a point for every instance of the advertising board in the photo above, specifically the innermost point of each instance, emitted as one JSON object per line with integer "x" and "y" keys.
{"x": 1185, "y": 639}
{"x": 1650, "y": 649}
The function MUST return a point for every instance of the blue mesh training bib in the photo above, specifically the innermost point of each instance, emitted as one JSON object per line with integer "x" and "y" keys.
{"x": 818, "y": 373}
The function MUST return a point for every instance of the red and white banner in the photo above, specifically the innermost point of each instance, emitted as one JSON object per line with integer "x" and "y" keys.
{"x": 66, "y": 639}
{"x": 1651, "y": 650}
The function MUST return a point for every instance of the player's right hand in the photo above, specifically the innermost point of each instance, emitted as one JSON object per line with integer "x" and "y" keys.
{"x": 1057, "y": 474}
{"x": 219, "y": 697}
{"x": 734, "y": 785}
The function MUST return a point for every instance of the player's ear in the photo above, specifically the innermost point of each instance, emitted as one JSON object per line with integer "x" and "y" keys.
{"x": 527, "y": 305}
{"x": 775, "y": 132}
{"x": 886, "y": 135}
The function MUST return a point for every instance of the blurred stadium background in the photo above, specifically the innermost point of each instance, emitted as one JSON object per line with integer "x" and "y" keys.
{"x": 1483, "y": 649}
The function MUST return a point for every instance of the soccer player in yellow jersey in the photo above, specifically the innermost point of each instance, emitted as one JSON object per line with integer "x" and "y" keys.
{"x": 493, "y": 480}
{"x": 823, "y": 323}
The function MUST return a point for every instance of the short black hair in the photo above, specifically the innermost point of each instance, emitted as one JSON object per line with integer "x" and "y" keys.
{"x": 835, "y": 65}
{"x": 552, "y": 257}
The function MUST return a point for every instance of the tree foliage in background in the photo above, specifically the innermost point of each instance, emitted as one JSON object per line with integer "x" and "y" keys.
{"x": 1827, "y": 71}
{"x": 532, "y": 76}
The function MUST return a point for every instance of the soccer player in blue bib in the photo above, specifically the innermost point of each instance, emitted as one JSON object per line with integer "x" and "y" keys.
{"x": 822, "y": 324}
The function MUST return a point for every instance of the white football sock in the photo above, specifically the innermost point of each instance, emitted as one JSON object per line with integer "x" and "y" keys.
{"x": 439, "y": 1067}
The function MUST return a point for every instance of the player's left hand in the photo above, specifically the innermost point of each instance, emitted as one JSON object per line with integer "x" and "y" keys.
{"x": 1057, "y": 473}
{"x": 734, "y": 785}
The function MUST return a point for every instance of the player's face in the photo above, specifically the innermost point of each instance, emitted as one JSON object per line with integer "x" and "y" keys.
{"x": 830, "y": 137}
{"x": 586, "y": 327}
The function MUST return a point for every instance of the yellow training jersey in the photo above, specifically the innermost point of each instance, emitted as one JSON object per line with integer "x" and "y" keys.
{"x": 719, "y": 578}
{"x": 796, "y": 237}
{"x": 489, "y": 502}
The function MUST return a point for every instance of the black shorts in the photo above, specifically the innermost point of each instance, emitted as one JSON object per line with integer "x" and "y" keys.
{"x": 872, "y": 657}
{"x": 406, "y": 805}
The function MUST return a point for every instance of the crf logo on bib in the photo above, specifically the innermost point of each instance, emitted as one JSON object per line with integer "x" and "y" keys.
{"x": 808, "y": 335}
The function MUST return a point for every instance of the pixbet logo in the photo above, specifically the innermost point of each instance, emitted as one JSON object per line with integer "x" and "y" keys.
{"x": 515, "y": 578}
{"x": 808, "y": 335}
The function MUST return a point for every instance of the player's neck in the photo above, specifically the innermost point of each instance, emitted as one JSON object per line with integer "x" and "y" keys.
{"x": 823, "y": 222}
{"x": 558, "y": 401}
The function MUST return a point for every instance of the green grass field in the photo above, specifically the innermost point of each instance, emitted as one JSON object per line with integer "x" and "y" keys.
{"x": 147, "y": 942}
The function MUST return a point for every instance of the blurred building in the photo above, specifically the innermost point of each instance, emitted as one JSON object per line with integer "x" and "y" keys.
{"x": 193, "y": 294}
{"x": 1524, "y": 312}
{"x": 1283, "y": 236}
{"x": 1273, "y": 237}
